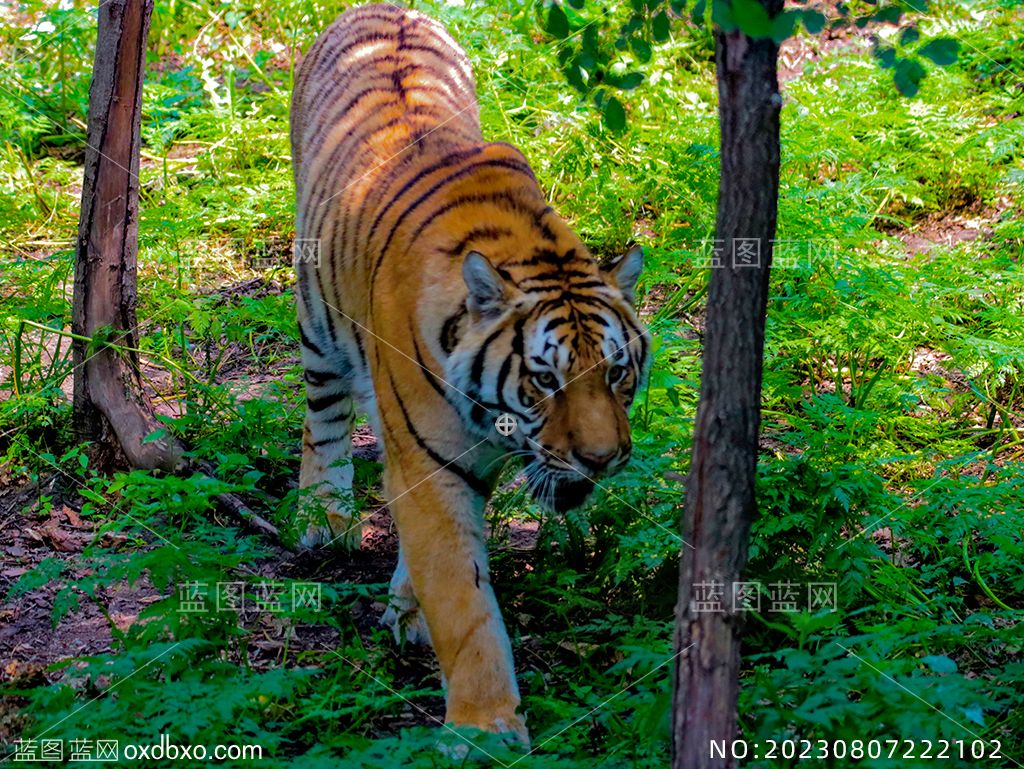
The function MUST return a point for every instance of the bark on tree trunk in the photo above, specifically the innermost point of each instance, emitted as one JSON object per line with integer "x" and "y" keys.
{"x": 110, "y": 408}
{"x": 720, "y": 502}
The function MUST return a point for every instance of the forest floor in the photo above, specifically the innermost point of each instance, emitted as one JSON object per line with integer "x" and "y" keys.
{"x": 30, "y": 643}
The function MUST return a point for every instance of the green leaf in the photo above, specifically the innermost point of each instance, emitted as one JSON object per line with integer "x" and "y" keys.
{"x": 908, "y": 76}
{"x": 641, "y": 48}
{"x": 92, "y": 496}
{"x": 939, "y": 663}
{"x": 975, "y": 714}
{"x": 909, "y": 35}
{"x": 558, "y": 22}
{"x": 653, "y": 719}
{"x": 659, "y": 27}
{"x": 886, "y": 56}
{"x": 588, "y": 42}
{"x": 156, "y": 435}
{"x": 814, "y": 21}
{"x": 673, "y": 396}
{"x": 721, "y": 14}
{"x": 783, "y": 25}
{"x": 587, "y": 60}
{"x": 889, "y": 15}
{"x": 942, "y": 51}
{"x": 614, "y": 115}
{"x": 636, "y": 21}
{"x": 697, "y": 14}
{"x": 575, "y": 78}
{"x": 752, "y": 18}
{"x": 677, "y": 6}
{"x": 631, "y": 80}
{"x": 577, "y": 4}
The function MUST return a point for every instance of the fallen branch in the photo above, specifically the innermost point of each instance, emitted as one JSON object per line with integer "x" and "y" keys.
{"x": 239, "y": 510}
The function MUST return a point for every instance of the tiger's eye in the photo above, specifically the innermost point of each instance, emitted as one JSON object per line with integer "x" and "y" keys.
{"x": 545, "y": 380}
{"x": 616, "y": 373}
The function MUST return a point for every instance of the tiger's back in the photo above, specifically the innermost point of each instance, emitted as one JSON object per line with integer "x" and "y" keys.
{"x": 383, "y": 77}
{"x": 383, "y": 94}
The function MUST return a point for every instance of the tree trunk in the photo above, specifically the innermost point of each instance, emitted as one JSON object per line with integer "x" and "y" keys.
{"x": 110, "y": 408}
{"x": 720, "y": 502}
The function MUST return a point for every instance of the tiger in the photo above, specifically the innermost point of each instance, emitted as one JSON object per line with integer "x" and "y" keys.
{"x": 453, "y": 306}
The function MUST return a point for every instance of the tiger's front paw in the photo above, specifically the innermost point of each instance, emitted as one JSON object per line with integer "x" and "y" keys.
{"x": 506, "y": 722}
{"x": 337, "y": 531}
{"x": 406, "y": 624}
{"x": 458, "y": 745}
{"x": 513, "y": 731}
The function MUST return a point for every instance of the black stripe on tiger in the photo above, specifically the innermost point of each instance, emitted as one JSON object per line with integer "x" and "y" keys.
{"x": 475, "y": 483}
{"x": 428, "y": 374}
{"x": 319, "y": 404}
{"x": 444, "y": 162}
{"x": 450, "y": 330}
{"x": 341, "y": 416}
{"x": 501, "y": 199}
{"x": 329, "y": 122}
{"x": 329, "y": 441}
{"x": 474, "y": 168}
{"x": 485, "y": 232}
{"x": 319, "y": 378}
{"x": 308, "y": 343}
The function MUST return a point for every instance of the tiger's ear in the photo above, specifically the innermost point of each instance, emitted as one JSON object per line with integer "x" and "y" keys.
{"x": 625, "y": 271}
{"x": 489, "y": 292}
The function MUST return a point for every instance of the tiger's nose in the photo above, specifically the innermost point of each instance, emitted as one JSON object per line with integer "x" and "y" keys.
{"x": 595, "y": 459}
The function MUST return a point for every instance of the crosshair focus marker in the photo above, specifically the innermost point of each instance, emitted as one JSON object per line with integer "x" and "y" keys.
{"x": 506, "y": 424}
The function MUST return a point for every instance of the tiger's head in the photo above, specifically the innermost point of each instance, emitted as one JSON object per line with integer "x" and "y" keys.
{"x": 554, "y": 342}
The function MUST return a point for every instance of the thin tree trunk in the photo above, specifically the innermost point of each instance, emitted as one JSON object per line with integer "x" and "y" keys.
{"x": 720, "y": 502}
{"x": 110, "y": 408}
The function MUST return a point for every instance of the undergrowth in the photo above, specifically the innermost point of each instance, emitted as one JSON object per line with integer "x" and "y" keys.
{"x": 891, "y": 463}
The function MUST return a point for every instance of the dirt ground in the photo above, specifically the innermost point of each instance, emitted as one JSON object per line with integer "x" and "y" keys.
{"x": 30, "y": 644}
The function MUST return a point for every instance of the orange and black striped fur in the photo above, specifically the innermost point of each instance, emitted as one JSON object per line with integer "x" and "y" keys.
{"x": 446, "y": 293}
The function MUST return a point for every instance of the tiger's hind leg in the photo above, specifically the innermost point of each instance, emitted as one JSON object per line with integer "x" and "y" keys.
{"x": 326, "y": 505}
{"x": 403, "y": 614}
